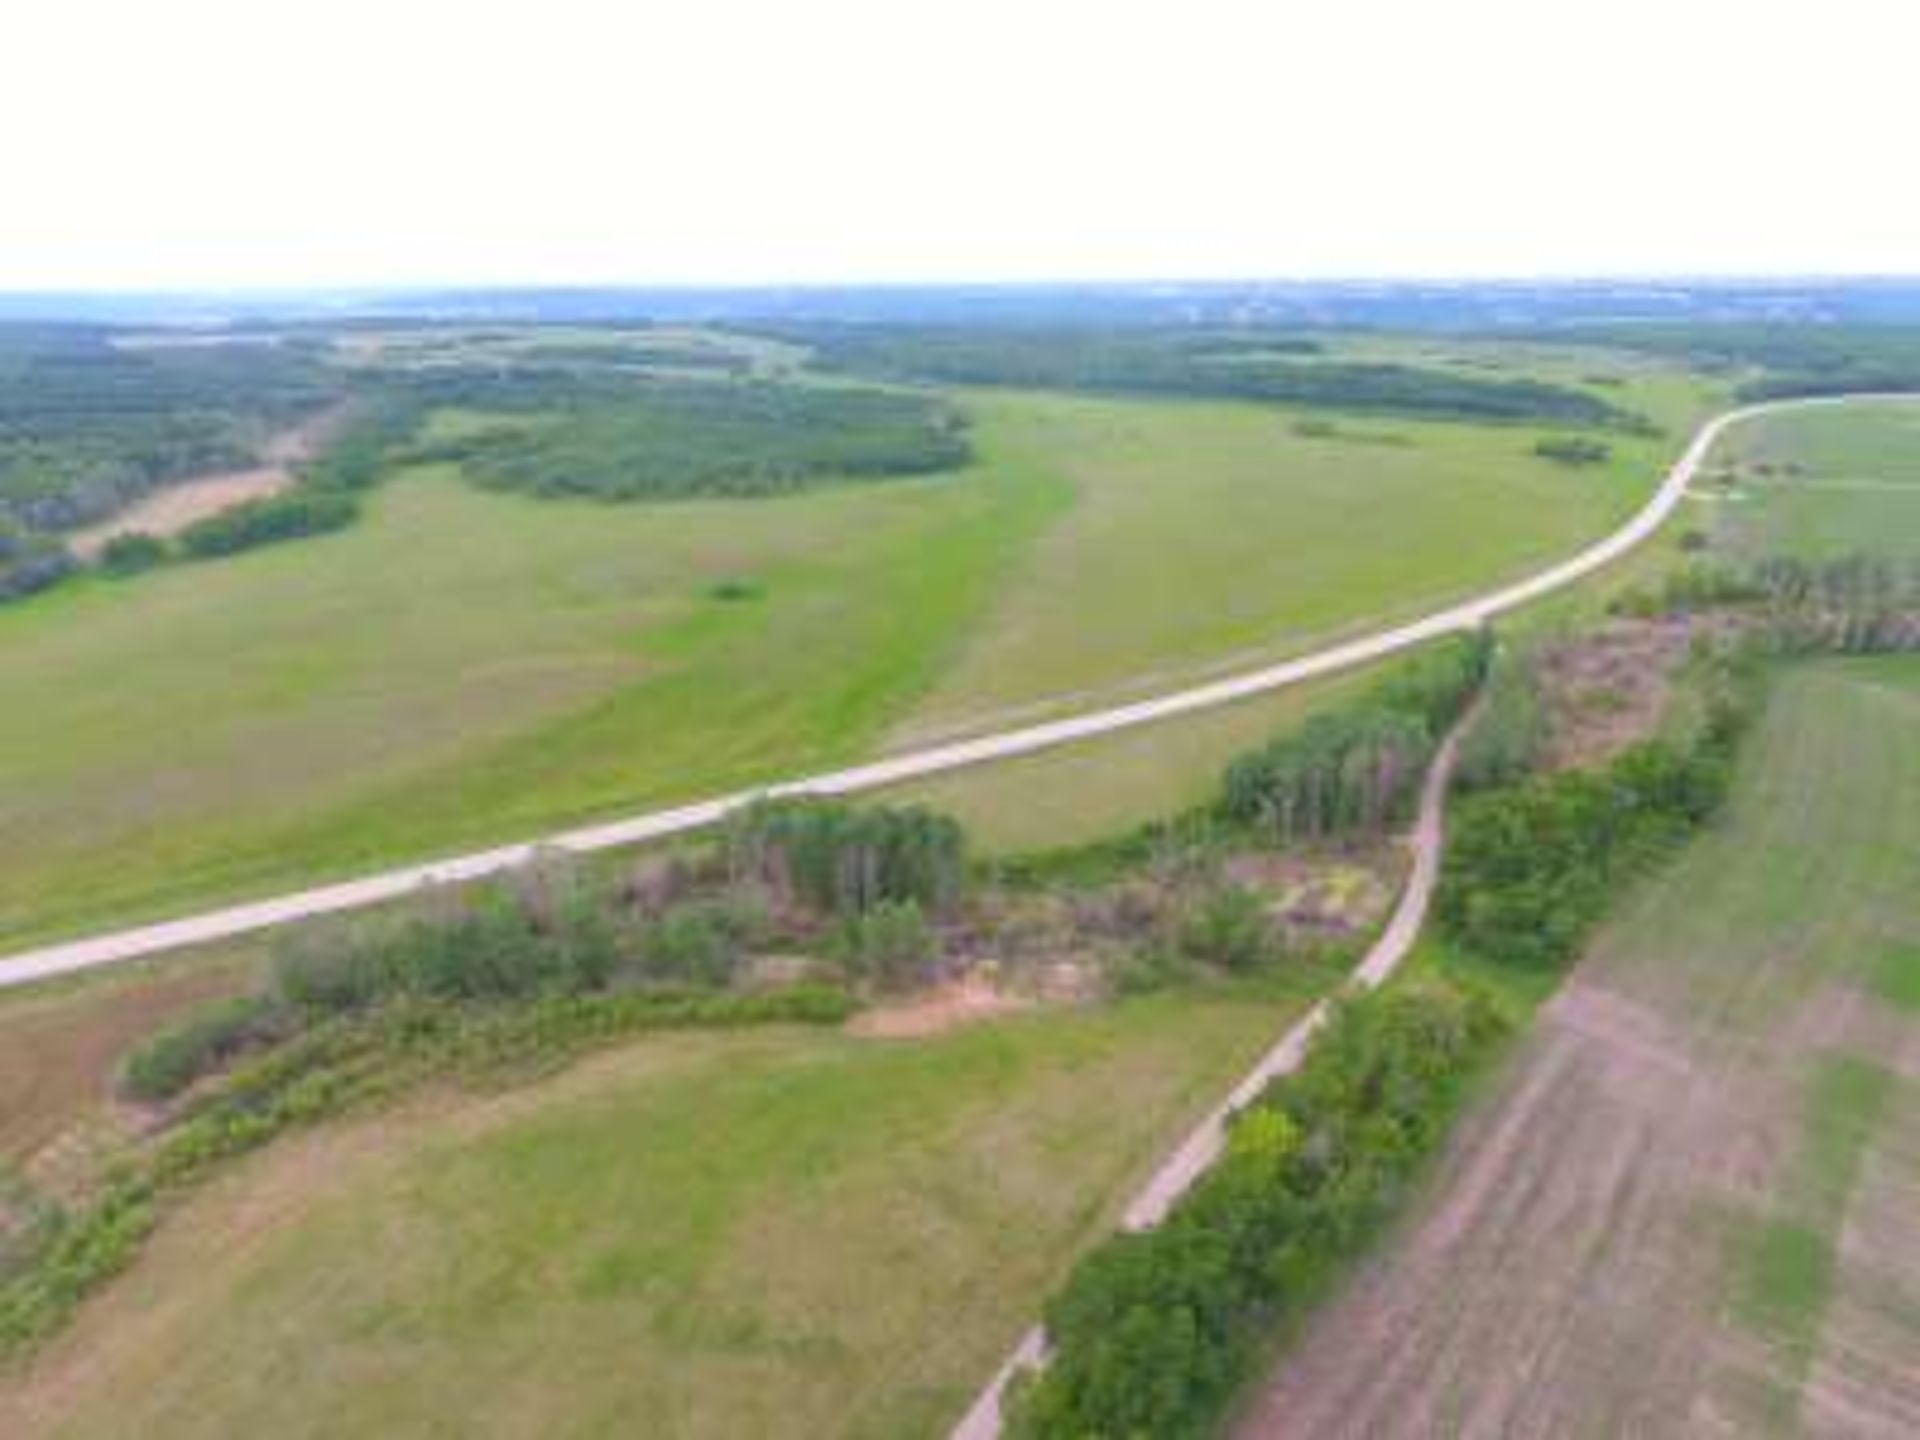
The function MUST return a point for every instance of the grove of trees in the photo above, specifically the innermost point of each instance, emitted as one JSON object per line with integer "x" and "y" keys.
{"x": 1246, "y": 365}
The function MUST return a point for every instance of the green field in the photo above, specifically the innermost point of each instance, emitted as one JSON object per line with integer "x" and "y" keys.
{"x": 1844, "y": 479}
{"x": 767, "y": 1233}
{"x": 464, "y": 667}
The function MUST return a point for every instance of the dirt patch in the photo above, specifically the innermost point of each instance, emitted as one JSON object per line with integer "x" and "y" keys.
{"x": 173, "y": 508}
{"x": 966, "y": 1001}
{"x": 58, "y": 1053}
{"x": 1608, "y": 689}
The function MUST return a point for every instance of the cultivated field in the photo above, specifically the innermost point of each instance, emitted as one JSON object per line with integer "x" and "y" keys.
{"x": 1825, "y": 482}
{"x": 764, "y": 1233}
{"x": 463, "y": 667}
{"x": 1686, "y": 1208}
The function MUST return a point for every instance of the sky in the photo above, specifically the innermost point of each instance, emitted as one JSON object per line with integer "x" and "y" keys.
{"x": 247, "y": 144}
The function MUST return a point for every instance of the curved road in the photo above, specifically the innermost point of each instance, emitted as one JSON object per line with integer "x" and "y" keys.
{"x": 122, "y": 945}
{"x": 1203, "y": 1145}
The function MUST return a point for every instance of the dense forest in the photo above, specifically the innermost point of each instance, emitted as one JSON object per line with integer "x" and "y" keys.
{"x": 628, "y": 438}
{"x": 87, "y": 426}
{"x": 1247, "y": 365}
{"x": 1787, "y": 359}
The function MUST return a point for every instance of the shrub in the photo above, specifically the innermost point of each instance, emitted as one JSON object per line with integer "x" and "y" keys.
{"x": 495, "y": 944}
{"x": 735, "y": 589}
{"x": 1227, "y": 926}
{"x": 889, "y": 944}
{"x": 132, "y": 553}
{"x": 170, "y": 1060}
{"x": 703, "y": 942}
{"x": 1573, "y": 450}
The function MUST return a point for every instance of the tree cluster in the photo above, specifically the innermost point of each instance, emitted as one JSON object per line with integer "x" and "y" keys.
{"x": 1531, "y": 867}
{"x": 1357, "y": 768}
{"x": 660, "y": 439}
{"x": 1156, "y": 1330}
{"x": 840, "y": 860}
{"x": 1225, "y": 364}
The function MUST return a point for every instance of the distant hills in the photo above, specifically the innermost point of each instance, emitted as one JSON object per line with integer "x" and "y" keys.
{"x": 1387, "y": 304}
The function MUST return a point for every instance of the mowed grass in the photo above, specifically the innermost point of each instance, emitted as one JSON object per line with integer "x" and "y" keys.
{"x": 758, "y": 1234}
{"x": 466, "y": 668}
{"x": 1856, "y": 489}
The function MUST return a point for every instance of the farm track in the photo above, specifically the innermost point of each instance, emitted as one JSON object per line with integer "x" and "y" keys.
{"x": 1197, "y": 1153}
{"x": 131, "y": 944}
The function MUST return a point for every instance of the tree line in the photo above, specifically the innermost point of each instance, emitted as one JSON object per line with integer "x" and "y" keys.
{"x": 1278, "y": 368}
{"x": 1359, "y": 767}
{"x": 1156, "y": 1331}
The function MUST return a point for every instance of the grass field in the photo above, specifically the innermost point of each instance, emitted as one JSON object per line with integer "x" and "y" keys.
{"x": 1686, "y": 1207}
{"x": 1209, "y": 536}
{"x": 769, "y": 1233}
{"x": 1843, "y": 480}
{"x": 464, "y": 668}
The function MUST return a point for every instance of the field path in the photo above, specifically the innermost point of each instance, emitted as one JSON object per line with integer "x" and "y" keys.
{"x": 1197, "y": 1153}
{"x": 123, "y": 945}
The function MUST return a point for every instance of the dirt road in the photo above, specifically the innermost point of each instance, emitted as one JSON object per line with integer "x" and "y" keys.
{"x": 146, "y": 940}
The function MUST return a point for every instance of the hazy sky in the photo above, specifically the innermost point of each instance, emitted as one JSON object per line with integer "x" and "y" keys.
{"x": 243, "y": 143}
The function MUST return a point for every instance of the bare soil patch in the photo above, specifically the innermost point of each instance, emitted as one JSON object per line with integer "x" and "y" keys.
{"x": 965, "y": 1001}
{"x": 1608, "y": 689}
{"x": 58, "y": 1052}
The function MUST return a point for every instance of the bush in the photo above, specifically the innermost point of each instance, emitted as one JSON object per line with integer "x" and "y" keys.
{"x": 1573, "y": 450}
{"x": 889, "y": 944}
{"x": 703, "y": 942}
{"x": 173, "y": 1058}
{"x": 132, "y": 553}
{"x": 491, "y": 945}
{"x": 1155, "y": 1330}
{"x": 1227, "y": 926}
